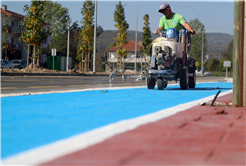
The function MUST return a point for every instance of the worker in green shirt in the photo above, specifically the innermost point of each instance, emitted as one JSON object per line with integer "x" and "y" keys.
{"x": 172, "y": 20}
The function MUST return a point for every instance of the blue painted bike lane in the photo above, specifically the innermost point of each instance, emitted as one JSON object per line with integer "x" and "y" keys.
{"x": 31, "y": 121}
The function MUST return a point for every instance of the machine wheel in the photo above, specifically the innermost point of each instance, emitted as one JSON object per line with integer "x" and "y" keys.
{"x": 150, "y": 83}
{"x": 192, "y": 80}
{"x": 160, "y": 83}
{"x": 184, "y": 78}
{"x": 165, "y": 84}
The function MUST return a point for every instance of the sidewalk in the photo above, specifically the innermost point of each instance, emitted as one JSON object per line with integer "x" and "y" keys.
{"x": 201, "y": 135}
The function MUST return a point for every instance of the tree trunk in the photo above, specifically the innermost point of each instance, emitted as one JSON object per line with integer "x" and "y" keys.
{"x": 38, "y": 55}
{"x": 82, "y": 63}
{"x": 27, "y": 58}
{"x": 88, "y": 61}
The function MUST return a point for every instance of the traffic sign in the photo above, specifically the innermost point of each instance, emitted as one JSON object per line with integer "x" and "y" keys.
{"x": 197, "y": 64}
{"x": 53, "y": 52}
{"x": 227, "y": 63}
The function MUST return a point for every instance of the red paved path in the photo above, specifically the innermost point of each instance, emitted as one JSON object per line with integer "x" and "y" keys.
{"x": 201, "y": 135}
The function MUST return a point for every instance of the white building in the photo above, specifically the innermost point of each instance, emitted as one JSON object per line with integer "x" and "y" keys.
{"x": 130, "y": 58}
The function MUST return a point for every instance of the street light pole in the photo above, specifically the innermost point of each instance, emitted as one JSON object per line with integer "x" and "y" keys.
{"x": 95, "y": 37}
{"x": 68, "y": 45}
{"x": 202, "y": 54}
{"x": 135, "y": 66}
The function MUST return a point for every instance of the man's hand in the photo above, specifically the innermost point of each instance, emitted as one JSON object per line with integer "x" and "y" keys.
{"x": 189, "y": 28}
{"x": 193, "y": 32}
{"x": 156, "y": 31}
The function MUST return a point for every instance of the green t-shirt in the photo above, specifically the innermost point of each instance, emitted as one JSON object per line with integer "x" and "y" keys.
{"x": 175, "y": 21}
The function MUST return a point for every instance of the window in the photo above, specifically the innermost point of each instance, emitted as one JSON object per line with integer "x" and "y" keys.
{"x": 12, "y": 23}
{"x": 12, "y": 40}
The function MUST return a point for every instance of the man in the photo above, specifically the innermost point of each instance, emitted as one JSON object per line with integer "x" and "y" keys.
{"x": 172, "y": 20}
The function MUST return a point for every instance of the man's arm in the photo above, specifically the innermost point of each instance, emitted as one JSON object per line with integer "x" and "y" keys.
{"x": 189, "y": 28}
{"x": 159, "y": 28}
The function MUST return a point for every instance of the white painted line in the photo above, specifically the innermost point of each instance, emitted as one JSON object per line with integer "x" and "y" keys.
{"x": 81, "y": 141}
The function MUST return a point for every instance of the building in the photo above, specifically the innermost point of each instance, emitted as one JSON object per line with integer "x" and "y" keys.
{"x": 15, "y": 45}
{"x": 130, "y": 58}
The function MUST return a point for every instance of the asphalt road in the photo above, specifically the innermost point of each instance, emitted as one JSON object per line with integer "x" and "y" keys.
{"x": 35, "y": 84}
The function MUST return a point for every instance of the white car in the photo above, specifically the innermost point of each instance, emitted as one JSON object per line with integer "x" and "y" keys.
{"x": 5, "y": 64}
{"x": 199, "y": 72}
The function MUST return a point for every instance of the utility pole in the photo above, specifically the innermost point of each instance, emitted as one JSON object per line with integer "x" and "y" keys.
{"x": 68, "y": 45}
{"x": 202, "y": 55}
{"x": 239, "y": 58}
{"x": 95, "y": 39}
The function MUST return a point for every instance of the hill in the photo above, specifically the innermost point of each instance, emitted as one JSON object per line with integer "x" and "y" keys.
{"x": 217, "y": 42}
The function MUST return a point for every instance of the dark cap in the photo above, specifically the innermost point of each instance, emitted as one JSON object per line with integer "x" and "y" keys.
{"x": 163, "y": 7}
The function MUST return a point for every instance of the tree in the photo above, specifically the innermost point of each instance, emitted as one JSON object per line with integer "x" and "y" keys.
{"x": 33, "y": 31}
{"x": 5, "y": 40}
{"x": 212, "y": 64}
{"x": 58, "y": 18}
{"x": 122, "y": 26}
{"x": 146, "y": 37}
{"x": 86, "y": 34}
{"x": 196, "y": 41}
{"x": 226, "y": 56}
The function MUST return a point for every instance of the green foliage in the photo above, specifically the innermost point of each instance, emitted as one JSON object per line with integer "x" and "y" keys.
{"x": 212, "y": 64}
{"x": 33, "y": 32}
{"x": 196, "y": 41}
{"x": 58, "y": 18}
{"x": 87, "y": 31}
{"x": 122, "y": 26}
{"x": 5, "y": 40}
{"x": 146, "y": 35}
{"x": 216, "y": 65}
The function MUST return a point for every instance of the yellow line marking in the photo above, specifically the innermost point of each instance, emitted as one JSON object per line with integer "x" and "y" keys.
{"x": 9, "y": 88}
{"x": 103, "y": 84}
{"x": 71, "y": 79}
{"x": 77, "y": 85}
{"x": 43, "y": 86}
{"x": 20, "y": 80}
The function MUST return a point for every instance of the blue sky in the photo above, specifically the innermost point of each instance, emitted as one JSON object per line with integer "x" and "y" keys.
{"x": 217, "y": 16}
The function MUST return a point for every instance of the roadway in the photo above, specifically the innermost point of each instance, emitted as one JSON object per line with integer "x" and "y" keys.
{"x": 37, "y": 84}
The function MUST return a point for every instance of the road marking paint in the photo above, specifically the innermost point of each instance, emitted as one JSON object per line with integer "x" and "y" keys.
{"x": 104, "y": 84}
{"x": 9, "y": 88}
{"x": 77, "y": 85}
{"x": 68, "y": 91}
{"x": 81, "y": 141}
{"x": 43, "y": 86}
{"x": 20, "y": 80}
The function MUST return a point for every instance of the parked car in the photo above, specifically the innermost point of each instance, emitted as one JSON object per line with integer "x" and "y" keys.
{"x": 199, "y": 72}
{"x": 5, "y": 64}
{"x": 18, "y": 63}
